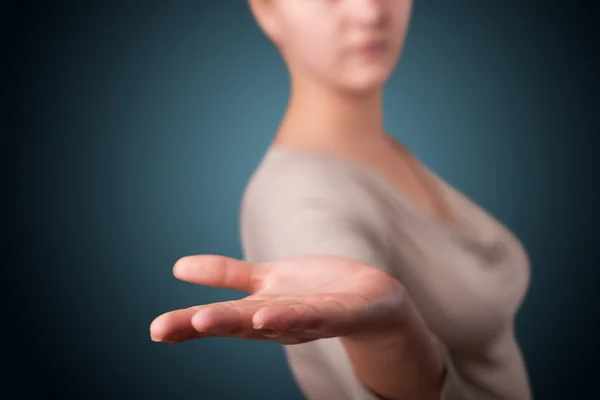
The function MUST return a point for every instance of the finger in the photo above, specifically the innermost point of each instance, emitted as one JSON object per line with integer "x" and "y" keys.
{"x": 174, "y": 326}
{"x": 217, "y": 319}
{"x": 287, "y": 318}
{"x": 234, "y": 318}
{"x": 226, "y": 319}
{"x": 328, "y": 316}
{"x": 220, "y": 271}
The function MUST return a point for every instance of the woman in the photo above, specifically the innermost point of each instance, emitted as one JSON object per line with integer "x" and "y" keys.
{"x": 381, "y": 280}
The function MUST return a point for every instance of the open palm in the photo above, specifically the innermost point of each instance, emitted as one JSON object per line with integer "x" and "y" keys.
{"x": 291, "y": 301}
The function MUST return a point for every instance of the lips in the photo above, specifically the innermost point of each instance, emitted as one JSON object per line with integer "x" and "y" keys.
{"x": 372, "y": 48}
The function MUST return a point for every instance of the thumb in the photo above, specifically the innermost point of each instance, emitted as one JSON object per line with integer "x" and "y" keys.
{"x": 221, "y": 271}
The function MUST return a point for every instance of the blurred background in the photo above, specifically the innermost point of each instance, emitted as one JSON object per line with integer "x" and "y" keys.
{"x": 132, "y": 128}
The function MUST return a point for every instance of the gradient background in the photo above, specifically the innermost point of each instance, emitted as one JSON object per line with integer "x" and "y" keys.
{"x": 135, "y": 125}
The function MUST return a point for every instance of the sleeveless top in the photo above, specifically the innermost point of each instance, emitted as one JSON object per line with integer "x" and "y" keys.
{"x": 468, "y": 280}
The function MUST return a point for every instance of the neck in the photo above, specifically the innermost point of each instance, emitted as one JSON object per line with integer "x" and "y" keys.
{"x": 318, "y": 114}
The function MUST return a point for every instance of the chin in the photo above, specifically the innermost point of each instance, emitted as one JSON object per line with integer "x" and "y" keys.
{"x": 366, "y": 82}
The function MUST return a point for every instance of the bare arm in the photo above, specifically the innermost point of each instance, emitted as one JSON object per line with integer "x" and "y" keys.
{"x": 398, "y": 364}
{"x": 301, "y": 209}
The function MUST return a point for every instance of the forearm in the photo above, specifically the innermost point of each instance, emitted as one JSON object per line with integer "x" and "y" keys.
{"x": 402, "y": 363}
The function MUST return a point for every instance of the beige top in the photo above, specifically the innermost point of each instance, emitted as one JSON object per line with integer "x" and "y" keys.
{"x": 467, "y": 282}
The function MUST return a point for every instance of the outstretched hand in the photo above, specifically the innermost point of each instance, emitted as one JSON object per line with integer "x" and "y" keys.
{"x": 291, "y": 301}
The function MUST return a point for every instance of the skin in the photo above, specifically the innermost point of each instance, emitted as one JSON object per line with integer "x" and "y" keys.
{"x": 291, "y": 301}
{"x": 336, "y": 107}
{"x": 336, "y": 87}
{"x": 336, "y": 101}
{"x": 309, "y": 298}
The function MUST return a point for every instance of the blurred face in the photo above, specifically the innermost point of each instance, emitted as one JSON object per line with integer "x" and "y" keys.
{"x": 352, "y": 45}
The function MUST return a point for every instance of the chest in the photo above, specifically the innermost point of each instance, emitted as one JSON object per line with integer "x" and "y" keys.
{"x": 468, "y": 281}
{"x": 406, "y": 176}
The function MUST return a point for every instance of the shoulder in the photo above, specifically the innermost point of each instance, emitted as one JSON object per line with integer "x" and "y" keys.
{"x": 306, "y": 205}
{"x": 289, "y": 180}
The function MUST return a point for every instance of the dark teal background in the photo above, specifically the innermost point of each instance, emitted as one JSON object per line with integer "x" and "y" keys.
{"x": 136, "y": 125}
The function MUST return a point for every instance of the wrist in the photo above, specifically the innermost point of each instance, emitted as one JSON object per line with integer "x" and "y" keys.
{"x": 403, "y": 339}
{"x": 401, "y": 357}
{"x": 389, "y": 329}
{"x": 395, "y": 365}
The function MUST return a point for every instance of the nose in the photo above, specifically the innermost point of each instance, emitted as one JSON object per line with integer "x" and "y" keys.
{"x": 370, "y": 12}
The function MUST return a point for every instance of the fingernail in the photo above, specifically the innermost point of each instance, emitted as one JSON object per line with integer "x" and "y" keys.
{"x": 177, "y": 270}
{"x": 269, "y": 332}
{"x": 266, "y": 332}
